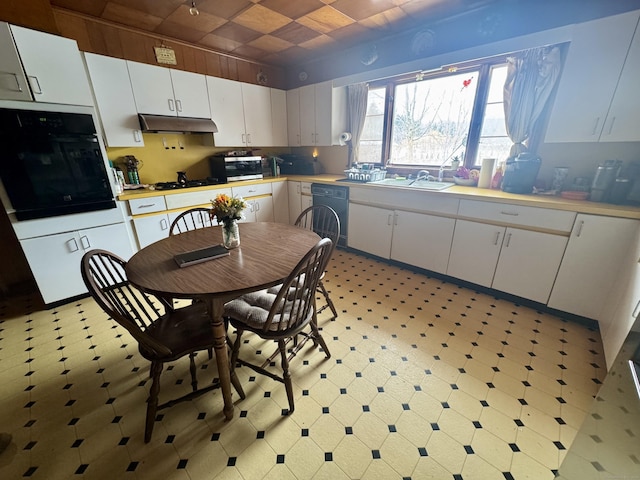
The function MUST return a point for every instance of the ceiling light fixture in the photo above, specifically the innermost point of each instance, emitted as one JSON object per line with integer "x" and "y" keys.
{"x": 194, "y": 10}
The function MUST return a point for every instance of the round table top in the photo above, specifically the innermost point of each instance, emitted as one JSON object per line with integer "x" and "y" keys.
{"x": 268, "y": 252}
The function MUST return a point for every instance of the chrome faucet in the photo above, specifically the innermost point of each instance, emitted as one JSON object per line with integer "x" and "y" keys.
{"x": 424, "y": 175}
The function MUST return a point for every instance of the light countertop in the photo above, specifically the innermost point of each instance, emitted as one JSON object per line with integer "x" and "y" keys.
{"x": 468, "y": 193}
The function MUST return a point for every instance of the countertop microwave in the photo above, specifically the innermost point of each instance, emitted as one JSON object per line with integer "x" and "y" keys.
{"x": 235, "y": 168}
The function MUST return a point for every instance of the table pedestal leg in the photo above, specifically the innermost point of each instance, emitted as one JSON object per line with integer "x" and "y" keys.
{"x": 216, "y": 309}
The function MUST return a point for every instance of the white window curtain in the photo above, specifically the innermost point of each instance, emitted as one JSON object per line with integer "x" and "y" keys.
{"x": 357, "y": 111}
{"x": 531, "y": 77}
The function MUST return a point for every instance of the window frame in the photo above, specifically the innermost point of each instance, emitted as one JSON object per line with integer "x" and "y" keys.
{"x": 483, "y": 67}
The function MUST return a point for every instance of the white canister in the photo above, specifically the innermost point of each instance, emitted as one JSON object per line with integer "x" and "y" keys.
{"x": 486, "y": 172}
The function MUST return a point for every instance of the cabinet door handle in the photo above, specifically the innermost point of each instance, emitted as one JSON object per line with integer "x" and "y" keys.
{"x": 389, "y": 219}
{"x": 507, "y": 240}
{"x": 179, "y": 105}
{"x": 15, "y": 77}
{"x": 636, "y": 310}
{"x": 248, "y": 138}
{"x": 243, "y": 139}
{"x": 395, "y": 219}
{"x": 579, "y": 229}
{"x": 613, "y": 120}
{"x": 511, "y": 214}
{"x": 257, "y": 206}
{"x": 595, "y": 126}
{"x": 495, "y": 240}
{"x": 37, "y": 90}
{"x": 84, "y": 241}
{"x": 164, "y": 224}
{"x": 73, "y": 245}
{"x": 146, "y": 205}
{"x": 171, "y": 106}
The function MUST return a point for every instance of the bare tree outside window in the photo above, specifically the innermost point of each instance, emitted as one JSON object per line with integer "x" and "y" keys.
{"x": 431, "y": 119}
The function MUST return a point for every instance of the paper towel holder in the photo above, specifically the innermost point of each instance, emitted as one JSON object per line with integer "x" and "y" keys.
{"x": 344, "y": 138}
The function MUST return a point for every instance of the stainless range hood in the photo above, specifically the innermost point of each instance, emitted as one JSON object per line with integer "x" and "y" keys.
{"x": 162, "y": 123}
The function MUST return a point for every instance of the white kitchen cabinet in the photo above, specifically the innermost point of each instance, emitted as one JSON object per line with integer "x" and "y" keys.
{"x": 413, "y": 238}
{"x": 592, "y": 262}
{"x": 475, "y": 251}
{"x": 322, "y": 115}
{"x": 114, "y": 101}
{"x": 164, "y": 91}
{"x": 259, "y": 202}
{"x": 13, "y": 82}
{"x": 597, "y": 99}
{"x": 370, "y": 229}
{"x": 151, "y": 228}
{"x": 53, "y": 66}
{"x": 55, "y": 259}
{"x": 280, "y": 202}
{"x": 256, "y": 101}
{"x": 293, "y": 117}
{"x": 512, "y": 260}
{"x": 279, "y": 135}
{"x": 528, "y": 263}
{"x": 242, "y": 113}
{"x": 422, "y": 240}
{"x": 299, "y": 198}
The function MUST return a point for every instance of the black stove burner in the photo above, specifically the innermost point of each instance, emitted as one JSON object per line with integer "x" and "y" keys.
{"x": 188, "y": 184}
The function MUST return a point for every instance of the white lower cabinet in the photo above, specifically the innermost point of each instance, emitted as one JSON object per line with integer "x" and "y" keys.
{"x": 417, "y": 239}
{"x": 259, "y": 210}
{"x": 150, "y": 229}
{"x": 591, "y": 264}
{"x": 528, "y": 263}
{"x": 475, "y": 251}
{"x": 55, "y": 259}
{"x": 370, "y": 229}
{"x": 512, "y": 260}
{"x": 299, "y": 198}
{"x": 280, "y": 202}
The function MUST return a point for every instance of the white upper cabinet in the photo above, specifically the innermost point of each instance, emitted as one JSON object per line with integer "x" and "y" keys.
{"x": 278, "y": 118}
{"x": 293, "y": 117}
{"x": 53, "y": 66}
{"x": 13, "y": 83}
{"x": 256, "y": 101}
{"x": 163, "y": 91}
{"x": 242, "y": 113}
{"x": 322, "y": 115}
{"x": 597, "y": 97}
{"x": 114, "y": 99}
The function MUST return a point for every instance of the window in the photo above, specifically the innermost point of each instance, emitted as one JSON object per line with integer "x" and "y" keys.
{"x": 428, "y": 120}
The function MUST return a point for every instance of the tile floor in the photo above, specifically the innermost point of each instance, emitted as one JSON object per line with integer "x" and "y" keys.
{"x": 427, "y": 379}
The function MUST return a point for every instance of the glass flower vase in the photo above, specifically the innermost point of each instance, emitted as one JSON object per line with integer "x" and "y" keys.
{"x": 230, "y": 234}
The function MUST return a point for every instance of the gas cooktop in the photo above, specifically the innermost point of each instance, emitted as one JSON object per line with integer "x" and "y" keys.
{"x": 187, "y": 184}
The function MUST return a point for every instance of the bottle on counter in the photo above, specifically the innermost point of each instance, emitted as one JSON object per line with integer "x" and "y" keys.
{"x": 496, "y": 181}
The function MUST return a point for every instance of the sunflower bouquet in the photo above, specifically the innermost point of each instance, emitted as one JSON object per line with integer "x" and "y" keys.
{"x": 226, "y": 209}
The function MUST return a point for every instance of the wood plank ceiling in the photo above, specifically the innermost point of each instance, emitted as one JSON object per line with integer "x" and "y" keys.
{"x": 277, "y": 32}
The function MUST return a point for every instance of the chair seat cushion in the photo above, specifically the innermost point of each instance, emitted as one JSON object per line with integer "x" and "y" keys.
{"x": 252, "y": 309}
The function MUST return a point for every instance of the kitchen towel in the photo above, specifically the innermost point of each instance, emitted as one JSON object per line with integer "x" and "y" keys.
{"x": 486, "y": 172}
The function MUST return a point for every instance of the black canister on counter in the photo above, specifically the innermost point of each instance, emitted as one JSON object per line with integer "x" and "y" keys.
{"x": 606, "y": 175}
{"x": 620, "y": 191}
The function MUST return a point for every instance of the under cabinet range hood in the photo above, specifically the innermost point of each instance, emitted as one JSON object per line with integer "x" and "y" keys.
{"x": 162, "y": 123}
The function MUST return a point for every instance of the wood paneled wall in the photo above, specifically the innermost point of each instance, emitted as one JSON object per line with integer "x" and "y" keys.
{"x": 97, "y": 36}
{"x": 36, "y": 14}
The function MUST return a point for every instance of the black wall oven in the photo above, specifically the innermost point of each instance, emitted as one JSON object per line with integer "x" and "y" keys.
{"x": 51, "y": 163}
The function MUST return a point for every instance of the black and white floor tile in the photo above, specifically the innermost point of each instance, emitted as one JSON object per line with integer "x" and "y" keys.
{"x": 427, "y": 379}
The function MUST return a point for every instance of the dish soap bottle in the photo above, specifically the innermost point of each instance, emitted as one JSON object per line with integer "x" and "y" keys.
{"x": 496, "y": 181}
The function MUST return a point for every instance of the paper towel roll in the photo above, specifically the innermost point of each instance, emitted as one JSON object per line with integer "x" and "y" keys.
{"x": 344, "y": 138}
{"x": 486, "y": 172}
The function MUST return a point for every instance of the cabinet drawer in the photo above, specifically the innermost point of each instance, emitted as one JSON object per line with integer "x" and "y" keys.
{"x": 138, "y": 206}
{"x": 504, "y": 213}
{"x": 425, "y": 202}
{"x": 192, "y": 199}
{"x": 305, "y": 188}
{"x": 247, "y": 191}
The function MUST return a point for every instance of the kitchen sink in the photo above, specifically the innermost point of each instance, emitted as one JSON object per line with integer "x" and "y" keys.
{"x": 418, "y": 184}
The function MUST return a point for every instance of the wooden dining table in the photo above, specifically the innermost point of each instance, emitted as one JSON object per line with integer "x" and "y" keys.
{"x": 267, "y": 254}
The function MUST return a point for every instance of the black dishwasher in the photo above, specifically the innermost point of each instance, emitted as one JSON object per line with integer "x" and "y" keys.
{"x": 336, "y": 197}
